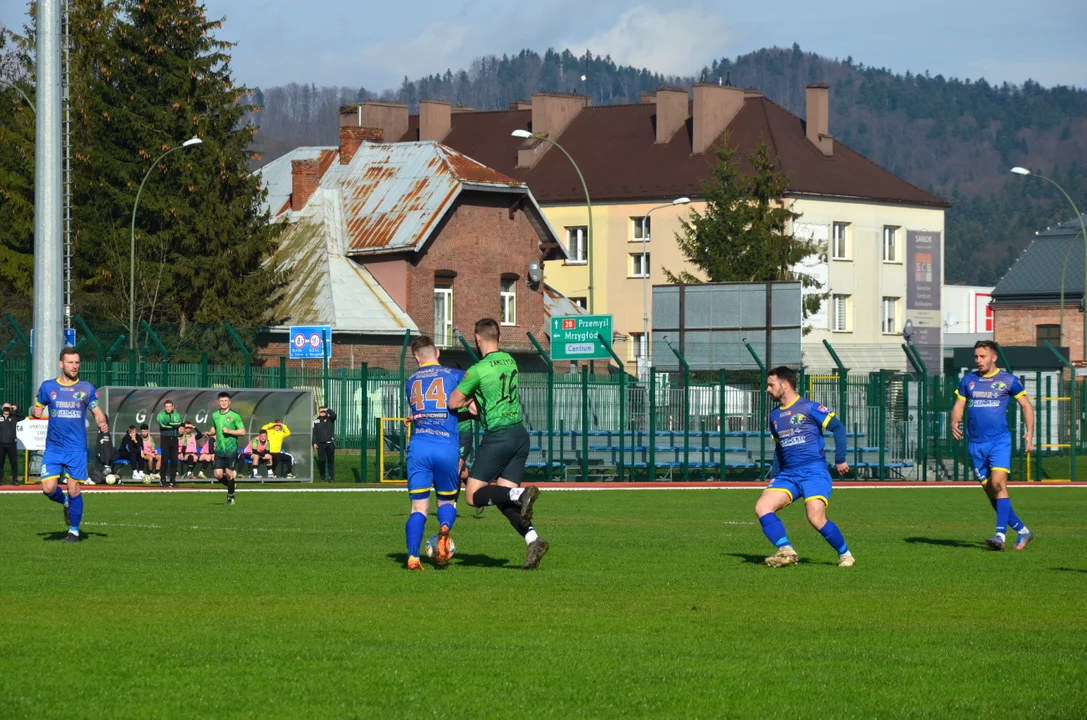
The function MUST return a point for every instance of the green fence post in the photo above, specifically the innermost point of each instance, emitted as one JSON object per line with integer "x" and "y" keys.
{"x": 97, "y": 346}
{"x": 132, "y": 367}
{"x": 3, "y": 364}
{"x": 364, "y": 445}
{"x": 550, "y": 404}
{"x": 204, "y": 379}
{"x": 764, "y": 418}
{"x": 109, "y": 354}
{"x": 29, "y": 360}
{"x": 467, "y": 348}
{"x": 245, "y": 353}
{"x": 1004, "y": 364}
{"x": 651, "y": 466}
{"x": 282, "y": 372}
{"x": 686, "y": 411}
{"x": 1072, "y": 419}
{"x": 153, "y": 337}
{"x": 584, "y": 423}
{"x": 622, "y": 404}
{"x": 402, "y": 394}
{"x": 722, "y": 417}
{"x": 882, "y": 420}
{"x": 843, "y": 383}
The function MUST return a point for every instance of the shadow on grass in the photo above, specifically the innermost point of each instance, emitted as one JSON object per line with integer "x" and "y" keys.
{"x": 1072, "y": 570}
{"x": 56, "y": 535}
{"x": 465, "y": 559}
{"x": 946, "y": 542}
{"x": 761, "y": 559}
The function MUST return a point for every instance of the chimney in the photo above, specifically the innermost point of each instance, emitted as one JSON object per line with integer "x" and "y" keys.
{"x": 351, "y": 138}
{"x": 713, "y": 109}
{"x": 551, "y": 113}
{"x": 305, "y": 177}
{"x": 817, "y": 120}
{"x": 671, "y": 112}
{"x": 646, "y": 98}
{"x": 391, "y": 118}
{"x": 521, "y": 105}
{"x": 434, "y": 119}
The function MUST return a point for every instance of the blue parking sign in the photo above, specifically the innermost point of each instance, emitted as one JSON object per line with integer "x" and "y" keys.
{"x": 310, "y": 342}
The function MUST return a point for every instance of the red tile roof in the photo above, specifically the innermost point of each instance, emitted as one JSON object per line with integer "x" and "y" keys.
{"x": 614, "y": 145}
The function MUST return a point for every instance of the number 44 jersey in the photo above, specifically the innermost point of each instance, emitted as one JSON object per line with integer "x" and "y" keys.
{"x": 428, "y": 391}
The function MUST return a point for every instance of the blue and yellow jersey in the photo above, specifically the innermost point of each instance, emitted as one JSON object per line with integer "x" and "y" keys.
{"x": 67, "y": 403}
{"x": 986, "y": 399}
{"x": 798, "y": 431}
{"x": 428, "y": 390}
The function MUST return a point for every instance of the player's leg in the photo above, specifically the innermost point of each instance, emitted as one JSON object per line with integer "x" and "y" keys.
{"x": 330, "y": 460}
{"x": 1000, "y": 468}
{"x": 776, "y": 496}
{"x": 75, "y": 470}
{"x": 445, "y": 466}
{"x": 519, "y": 510}
{"x": 816, "y": 486}
{"x": 290, "y": 465}
{"x": 50, "y": 472}
{"x": 420, "y": 483}
{"x": 231, "y": 473}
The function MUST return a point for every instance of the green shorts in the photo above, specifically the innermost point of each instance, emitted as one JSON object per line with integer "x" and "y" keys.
{"x": 502, "y": 454}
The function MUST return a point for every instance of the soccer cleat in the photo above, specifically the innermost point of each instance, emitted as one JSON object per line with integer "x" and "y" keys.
{"x": 995, "y": 543}
{"x": 72, "y": 537}
{"x": 67, "y": 515}
{"x": 536, "y": 550}
{"x": 201, "y": 475}
{"x": 88, "y": 481}
{"x": 256, "y": 473}
{"x": 528, "y": 499}
{"x": 479, "y": 510}
{"x": 443, "y": 555}
{"x": 270, "y": 474}
{"x": 415, "y": 563}
{"x": 846, "y": 560}
{"x": 290, "y": 476}
{"x": 784, "y": 556}
{"x": 1024, "y": 540}
{"x": 229, "y": 499}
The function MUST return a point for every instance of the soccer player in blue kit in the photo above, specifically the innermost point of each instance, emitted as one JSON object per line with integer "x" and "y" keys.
{"x": 433, "y": 457}
{"x": 986, "y": 393}
{"x": 800, "y": 468}
{"x": 68, "y": 399}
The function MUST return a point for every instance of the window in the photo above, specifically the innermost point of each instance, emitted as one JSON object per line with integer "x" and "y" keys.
{"x": 577, "y": 245}
{"x": 1052, "y": 333}
{"x": 581, "y": 302}
{"x": 638, "y": 347}
{"x": 890, "y": 316}
{"x": 840, "y": 244}
{"x": 840, "y": 308}
{"x": 509, "y": 302}
{"x": 443, "y": 315}
{"x": 639, "y": 265}
{"x": 636, "y": 228}
{"x": 890, "y": 244}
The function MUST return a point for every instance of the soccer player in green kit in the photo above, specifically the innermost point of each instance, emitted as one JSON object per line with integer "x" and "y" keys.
{"x": 499, "y": 467}
{"x": 226, "y": 427}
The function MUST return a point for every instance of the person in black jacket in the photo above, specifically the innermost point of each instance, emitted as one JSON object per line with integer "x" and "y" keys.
{"x": 8, "y": 447}
{"x": 324, "y": 443}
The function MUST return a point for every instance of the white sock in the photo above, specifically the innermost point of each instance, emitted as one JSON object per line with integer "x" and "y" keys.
{"x": 1024, "y": 531}
{"x": 1001, "y": 536}
{"x": 531, "y": 536}
{"x": 515, "y": 494}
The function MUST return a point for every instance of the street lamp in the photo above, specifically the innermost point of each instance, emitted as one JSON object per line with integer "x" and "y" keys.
{"x": 645, "y": 272}
{"x": 525, "y": 135}
{"x": 1083, "y": 229}
{"x": 132, "y": 245}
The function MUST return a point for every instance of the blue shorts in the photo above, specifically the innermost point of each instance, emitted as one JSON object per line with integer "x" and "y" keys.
{"x": 811, "y": 482}
{"x": 69, "y": 463}
{"x": 433, "y": 466}
{"x": 991, "y": 455}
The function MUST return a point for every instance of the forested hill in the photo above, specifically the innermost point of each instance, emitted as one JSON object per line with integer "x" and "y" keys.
{"x": 957, "y": 138}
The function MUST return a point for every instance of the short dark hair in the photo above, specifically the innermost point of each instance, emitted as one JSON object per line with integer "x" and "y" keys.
{"x": 423, "y": 342}
{"x": 989, "y": 344}
{"x": 487, "y": 328}
{"x": 224, "y": 394}
{"x": 131, "y": 427}
{"x": 785, "y": 374}
{"x": 167, "y": 401}
{"x": 145, "y": 426}
{"x": 68, "y": 351}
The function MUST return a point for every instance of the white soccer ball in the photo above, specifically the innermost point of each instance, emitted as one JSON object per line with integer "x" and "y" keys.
{"x": 111, "y": 479}
{"x": 431, "y": 548}
{"x": 146, "y": 477}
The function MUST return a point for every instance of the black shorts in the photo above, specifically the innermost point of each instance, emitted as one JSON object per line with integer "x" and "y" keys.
{"x": 225, "y": 462}
{"x": 467, "y": 443}
{"x": 502, "y": 454}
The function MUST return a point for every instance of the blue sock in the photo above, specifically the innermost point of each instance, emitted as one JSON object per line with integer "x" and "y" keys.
{"x": 774, "y": 529}
{"x": 1003, "y": 509}
{"x": 75, "y": 510}
{"x": 57, "y": 495}
{"x": 833, "y": 535}
{"x": 413, "y": 531}
{"x": 447, "y": 515}
{"x": 1013, "y": 520}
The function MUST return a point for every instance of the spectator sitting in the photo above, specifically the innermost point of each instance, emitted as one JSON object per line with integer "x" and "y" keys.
{"x": 206, "y": 455}
{"x": 257, "y": 451}
{"x": 277, "y": 433}
{"x": 147, "y": 451}
{"x": 130, "y": 449}
{"x": 188, "y": 448}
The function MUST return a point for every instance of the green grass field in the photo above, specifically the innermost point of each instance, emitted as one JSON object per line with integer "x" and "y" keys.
{"x": 651, "y": 603}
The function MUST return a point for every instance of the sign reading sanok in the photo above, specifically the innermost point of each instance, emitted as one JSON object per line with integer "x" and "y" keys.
{"x": 576, "y": 337}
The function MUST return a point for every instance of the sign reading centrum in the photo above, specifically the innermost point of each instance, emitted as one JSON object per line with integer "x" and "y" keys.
{"x": 575, "y": 338}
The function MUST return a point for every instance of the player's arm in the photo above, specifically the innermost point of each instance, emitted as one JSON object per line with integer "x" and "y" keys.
{"x": 837, "y": 428}
{"x": 956, "y": 417}
{"x": 286, "y": 430}
{"x": 1028, "y": 419}
{"x": 467, "y": 387}
{"x": 238, "y": 430}
{"x": 267, "y": 426}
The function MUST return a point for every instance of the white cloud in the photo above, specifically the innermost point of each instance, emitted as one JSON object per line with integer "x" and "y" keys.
{"x": 672, "y": 42}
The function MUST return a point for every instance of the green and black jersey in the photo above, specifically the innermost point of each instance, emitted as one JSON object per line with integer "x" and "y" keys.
{"x": 226, "y": 445}
{"x": 493, "y": 382}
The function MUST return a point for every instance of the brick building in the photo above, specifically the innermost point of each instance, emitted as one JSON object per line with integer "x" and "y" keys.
{"x": 1027, "y": 301}
{"x": 416, "y": 238}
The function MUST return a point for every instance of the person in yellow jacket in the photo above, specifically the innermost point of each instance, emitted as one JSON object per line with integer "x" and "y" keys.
{"x": 277, "y": 433}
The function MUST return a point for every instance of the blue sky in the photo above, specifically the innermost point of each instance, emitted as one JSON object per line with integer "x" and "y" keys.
{"x": 364, "y": 43}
